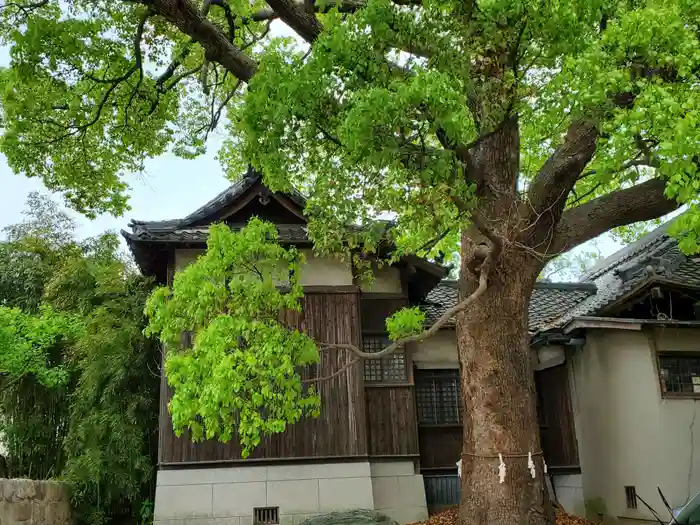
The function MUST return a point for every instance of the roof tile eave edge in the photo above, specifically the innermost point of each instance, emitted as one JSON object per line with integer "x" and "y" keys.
{"x": 640, "y": 245}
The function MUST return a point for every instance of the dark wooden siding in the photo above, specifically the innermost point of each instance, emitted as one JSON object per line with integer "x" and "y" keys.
{"x": 440, "y": 447}
{"x": 556, "y": 418}
{"x": 391, "y": 421}
{"x": 391, "y": 409}
{"x": 376, "y": 308}
{"x": 439, "y": 419}
{"x": 340, "y": 431}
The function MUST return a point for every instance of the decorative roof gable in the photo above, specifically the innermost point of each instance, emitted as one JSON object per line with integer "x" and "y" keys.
{"x": 152, "y": 242}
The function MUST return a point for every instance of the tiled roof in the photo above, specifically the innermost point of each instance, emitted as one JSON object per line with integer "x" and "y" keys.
{"x": 222, "y": 200}
{"x": 149, "y": 241}
{"x": 288, "y": 233}
{"x": 654, "y": 257}
{"x": 548, "y": 301}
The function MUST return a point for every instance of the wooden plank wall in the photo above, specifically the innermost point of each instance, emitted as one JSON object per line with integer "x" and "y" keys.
{"x": 391, "y": 409}
{"x": 440, "y": 446}
{"x": 391, "y": 421}
{"x": 557, "y": 422}
{"x": 340, "y": 431}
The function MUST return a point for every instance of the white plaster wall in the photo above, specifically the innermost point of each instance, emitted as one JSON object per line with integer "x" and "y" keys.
{"x": 386, "y": 280}
{"x": 229, "y": 494}
{"x": 398, "y": 491}
{"x": 627, "y": 433}
{"x": 323, "y": 271}
{"x": 185, "y": 257}
{"x": 439, "y": 351}
{"x": 548, "y": 356}
{"x": 317, "y": 271}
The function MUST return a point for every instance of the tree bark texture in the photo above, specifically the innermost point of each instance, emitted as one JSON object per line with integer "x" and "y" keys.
{"x": 498, "y": 392}
{"x": 497, "y": 381}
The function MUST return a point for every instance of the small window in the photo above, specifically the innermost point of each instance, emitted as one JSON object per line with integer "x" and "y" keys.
{"x": 631, "y": 497}
{"x": 390, "y": 369}
{"x": 266, "y": 516}
{"x": 438, "y": 397}
{"x": 680, "y": 373}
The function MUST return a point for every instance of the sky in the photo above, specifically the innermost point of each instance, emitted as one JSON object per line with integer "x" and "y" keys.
{"x": 169, "y": 188}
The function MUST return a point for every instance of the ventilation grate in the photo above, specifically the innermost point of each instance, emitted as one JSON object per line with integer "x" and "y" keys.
{"x": 266, "y": 516}
{"x": 631, "y": 497}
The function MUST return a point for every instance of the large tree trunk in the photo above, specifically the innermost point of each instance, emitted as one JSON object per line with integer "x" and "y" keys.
{"x": 499, "y": 399}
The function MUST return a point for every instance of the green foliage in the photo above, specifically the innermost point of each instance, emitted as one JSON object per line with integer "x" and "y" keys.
{"x": 368, "y": 121}
{"x": 241, "y": 373}
{"x": 79, "y": 382}
{"x": 405, "y": 322}
{"x": 32, "y": 345}
{"x": 357, "y": 125}
{"x": 78, "y": 111}
{"x": 112, "y": 436}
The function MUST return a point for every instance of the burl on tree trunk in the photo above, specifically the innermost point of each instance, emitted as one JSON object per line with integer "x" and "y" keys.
{"x": 498, "y": 391}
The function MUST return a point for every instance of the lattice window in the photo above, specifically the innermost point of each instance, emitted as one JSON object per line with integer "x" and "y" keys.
{"x": 680, "y": 373}
{"x": 390, "y": 369}
{"x": 438, "y": 397}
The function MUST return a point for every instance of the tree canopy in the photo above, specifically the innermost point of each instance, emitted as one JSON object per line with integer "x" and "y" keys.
{"x": 381, "y": 108}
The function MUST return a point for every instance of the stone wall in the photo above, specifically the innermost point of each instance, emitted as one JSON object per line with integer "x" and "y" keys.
{"x": 27, "y": 502}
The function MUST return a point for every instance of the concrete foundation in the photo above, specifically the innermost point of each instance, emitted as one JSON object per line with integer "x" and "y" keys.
{"x": 228, "y": 495}
{"x": 398, "y": 491}
{"x": 569, "y": 491}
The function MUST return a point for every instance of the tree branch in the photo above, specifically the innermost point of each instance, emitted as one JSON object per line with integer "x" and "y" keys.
{"x": 429, "y": 332}
{"x": 552, "y": 185}
{"x": 25, "y": 8}
{"x": 343, "y": 6}
{"x": 642, "y": 202}
{"x": 184, "y": 15}
{"x": 334, "y": 374}
{"x": 138, "y": 59}
{"x": 230, "y": 17}
{"x": 33, "y": 5}
{"x": 296, "y": 16}
{"x": 75, "y": 129}
{"x": 496, "y": 241}
{"x": 170, "y": 70}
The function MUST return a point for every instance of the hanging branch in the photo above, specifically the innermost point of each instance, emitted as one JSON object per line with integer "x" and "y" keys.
{"x": 484, "y": 272}
{"x": 138, "y": 57}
